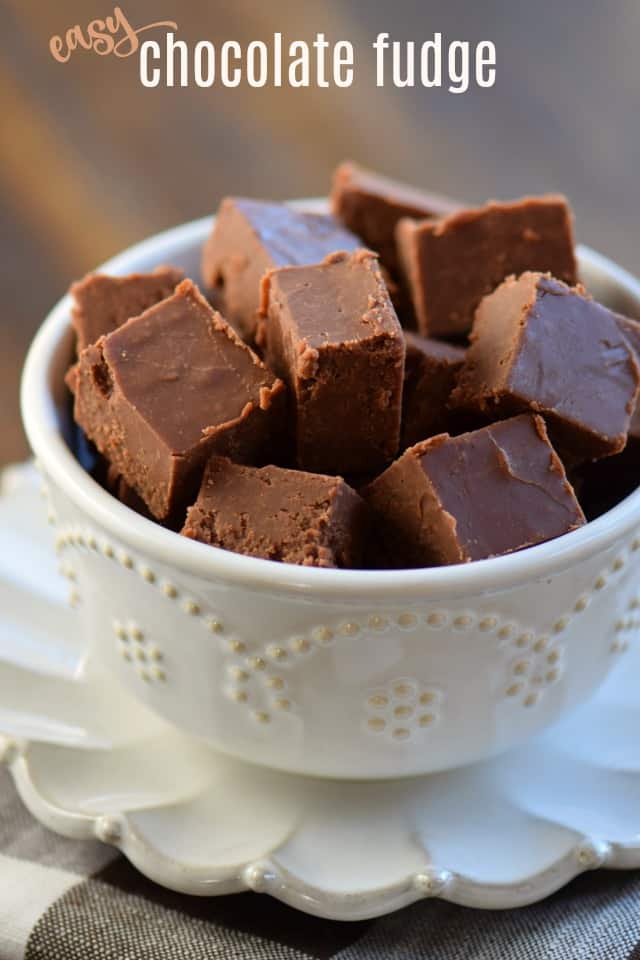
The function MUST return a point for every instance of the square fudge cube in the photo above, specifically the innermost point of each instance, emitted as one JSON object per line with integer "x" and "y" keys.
{"x": 631, "y": 330}
{"x": 371, "y": 205}
{"x": 606, "y": 482}
{"x": 482, "y": 494}
{"x": 277, "y": 514}
{"x": 430, "y": 372}
{"x": 331, "y": 332}
{"x": 540, "y": 345}
{"x": 250, "y": 237}
{"x": 101, "y": 304}
{"x": 168, "y": 389}
{"x": 451, "y": 264}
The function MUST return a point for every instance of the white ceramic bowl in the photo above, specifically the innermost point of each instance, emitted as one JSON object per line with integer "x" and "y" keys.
{"x": 329, "y": 672}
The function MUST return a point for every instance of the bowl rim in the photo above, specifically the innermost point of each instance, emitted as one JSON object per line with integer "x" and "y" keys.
{"x": 188, "y": 556}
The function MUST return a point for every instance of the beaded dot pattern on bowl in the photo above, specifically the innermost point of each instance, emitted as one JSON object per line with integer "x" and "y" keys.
{"x": 402, "y": 709}
{"x": 256, "y": 676}
{"x": 146, "y": 659}
{"x": 627, "y": 627}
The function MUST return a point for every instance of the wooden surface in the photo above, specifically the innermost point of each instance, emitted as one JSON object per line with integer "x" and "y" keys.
{"x": 91, "y": 162}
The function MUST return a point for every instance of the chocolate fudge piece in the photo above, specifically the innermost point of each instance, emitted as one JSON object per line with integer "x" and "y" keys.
{"x": 101, "y": 304}
{"x": 250, "y": 237}
{"x": 451, "y": 264}
{"x": 430, "y": 372}
{"x": 482, "y": 494}
{"x": 277, "y": 514}
{"x": 331, "y": 333}
{"x": 605, "y": 483}
{"x": 120, "y": 489}
{"x": 162, "y": 393}
{"x": 631, "y": 330}
{"x": 540, "y": 345}
{"x": 370, "y": 205}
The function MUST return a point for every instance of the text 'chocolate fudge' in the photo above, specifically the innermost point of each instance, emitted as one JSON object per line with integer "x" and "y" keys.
{"x": 250, "y": 237}
{"x": 162, "y": 393}
{"x": 331, "y": 332}
{"x": 451, "y": 264}
{"x": 483, "y": 494}
{"x": 540, "y": 345}
{"x": 283, "y": 515}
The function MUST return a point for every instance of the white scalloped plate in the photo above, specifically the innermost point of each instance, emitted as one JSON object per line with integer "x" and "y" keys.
{"x": 88, "y": 761}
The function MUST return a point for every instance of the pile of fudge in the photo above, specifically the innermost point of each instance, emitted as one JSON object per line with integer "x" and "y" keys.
{"x": 404, "y": 382}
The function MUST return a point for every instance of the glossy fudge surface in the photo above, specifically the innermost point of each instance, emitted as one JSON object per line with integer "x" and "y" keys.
{"x": 332, "y": 334}
{"x": 451, "y": 264}
{"x": 631, "y": 330}
{"x": 370, "y": 205}
{"x": 252, "y": 236}
{"x": 431, "y": 368}
{"x": 605, "y": 483}
{"x": 540, "y": 345}
{"x": 284, "y": 515}
{"x": 483, "y": 494}
{"x": 101, "y": 304}
{"x": 169, "y": 388}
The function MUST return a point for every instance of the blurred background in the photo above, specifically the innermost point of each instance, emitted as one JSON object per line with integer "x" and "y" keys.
{"x": 91, "y": 162}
